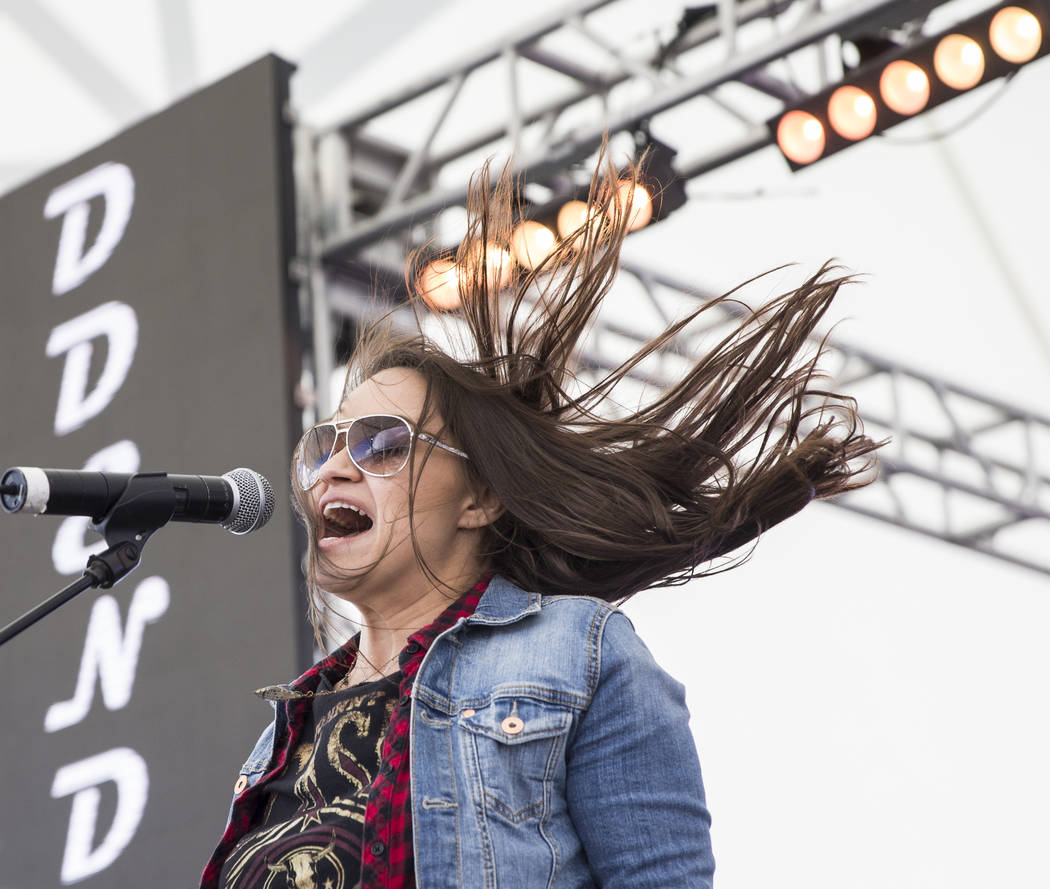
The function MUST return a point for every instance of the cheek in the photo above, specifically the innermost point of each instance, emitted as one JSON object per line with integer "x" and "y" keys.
{"x": 313, "y": 511}
{"x": 391, "y": 500}
{"x": 436, "y": 502}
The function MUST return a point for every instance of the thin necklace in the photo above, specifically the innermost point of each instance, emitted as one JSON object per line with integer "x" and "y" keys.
{"x": 380, "y": 671}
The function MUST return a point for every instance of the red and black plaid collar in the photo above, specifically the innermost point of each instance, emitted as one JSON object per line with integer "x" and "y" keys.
{"x": 387, "y": 850}
{"x": 341, "y": 660}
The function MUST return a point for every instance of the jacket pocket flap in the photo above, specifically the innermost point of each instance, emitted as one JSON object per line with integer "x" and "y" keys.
{"x": 516, "y": 720}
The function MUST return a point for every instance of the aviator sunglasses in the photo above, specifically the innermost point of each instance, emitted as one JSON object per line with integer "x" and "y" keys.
{"x": 378, "y": 445}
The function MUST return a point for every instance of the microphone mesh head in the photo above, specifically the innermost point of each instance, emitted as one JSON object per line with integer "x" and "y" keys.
{"x": 255, "y": 501}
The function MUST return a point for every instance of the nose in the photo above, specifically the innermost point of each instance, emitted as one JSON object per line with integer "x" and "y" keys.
{"x": 339, "y": 466}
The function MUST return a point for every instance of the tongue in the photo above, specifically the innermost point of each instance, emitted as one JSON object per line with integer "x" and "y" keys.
{"x": 346, "y": 523}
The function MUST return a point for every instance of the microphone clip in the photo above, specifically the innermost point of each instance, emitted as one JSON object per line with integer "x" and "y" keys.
{"x": 143, "y": 507}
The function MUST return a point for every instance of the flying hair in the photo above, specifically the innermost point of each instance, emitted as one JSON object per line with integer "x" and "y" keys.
{"x": 602, "y": 505}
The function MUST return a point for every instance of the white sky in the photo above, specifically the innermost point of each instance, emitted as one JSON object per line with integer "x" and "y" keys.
{"x": 869, "y": 704}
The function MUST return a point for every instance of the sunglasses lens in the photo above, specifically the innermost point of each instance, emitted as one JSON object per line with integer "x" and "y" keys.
{"x": 380, "y": 445}
{"x": 314, "y": 449}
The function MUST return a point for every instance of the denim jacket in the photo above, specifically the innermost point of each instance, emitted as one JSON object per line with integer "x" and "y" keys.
{"x": 548, "y": 750}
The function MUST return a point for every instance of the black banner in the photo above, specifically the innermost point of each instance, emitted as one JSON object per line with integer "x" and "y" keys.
{"x": 149, "y": 324}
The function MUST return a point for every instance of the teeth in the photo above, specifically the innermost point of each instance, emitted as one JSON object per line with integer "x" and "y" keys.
{"x": 338, "y": 505}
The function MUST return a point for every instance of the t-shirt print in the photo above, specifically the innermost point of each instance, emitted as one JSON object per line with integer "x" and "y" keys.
{"x": 310, "y": 833}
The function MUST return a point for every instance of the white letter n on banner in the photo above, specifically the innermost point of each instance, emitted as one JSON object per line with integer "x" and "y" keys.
{"x": 111, "y": 655}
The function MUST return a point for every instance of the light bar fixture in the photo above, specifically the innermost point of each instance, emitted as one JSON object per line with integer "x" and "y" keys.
{"x": 658, "y": 192}
{"x": 907, "y": 81}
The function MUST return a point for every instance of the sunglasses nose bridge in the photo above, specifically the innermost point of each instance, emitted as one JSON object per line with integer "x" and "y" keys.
{"x": 339, "y": 460}
{"x": 339, "y": 443}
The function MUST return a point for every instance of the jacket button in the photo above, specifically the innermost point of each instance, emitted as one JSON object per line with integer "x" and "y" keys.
{"x": 466, "y": 714}
{"x": 512, "y": 725}
{"x": 242, "y": 782}
{"x": 377, "y": 848}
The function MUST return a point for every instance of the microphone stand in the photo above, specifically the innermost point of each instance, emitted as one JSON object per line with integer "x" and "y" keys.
{"x": 140, "y": 511}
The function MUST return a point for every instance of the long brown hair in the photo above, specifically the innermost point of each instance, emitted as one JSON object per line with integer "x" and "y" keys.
{"x": 608, "y": 506}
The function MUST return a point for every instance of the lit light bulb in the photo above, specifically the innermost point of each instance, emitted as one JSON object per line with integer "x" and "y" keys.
{"x": 531, "y": 242}
{"x": 498, "y": 264}
{"x": 917, "y": 81}
{"x": 959, "y": 61}
{"x": 904, "y": 87}
{"x": 574, "y": 215}
{"x": 801, "y": 137}
{"x": 1015, "y": 34}
{"x": 571, "y": 216}
{"x": 851, "y": 112}
{"x": 439, "y": 284}
{"x": 640, "y": 202}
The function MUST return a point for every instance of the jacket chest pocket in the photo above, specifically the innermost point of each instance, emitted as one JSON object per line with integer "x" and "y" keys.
{"x": 518, "y": 750}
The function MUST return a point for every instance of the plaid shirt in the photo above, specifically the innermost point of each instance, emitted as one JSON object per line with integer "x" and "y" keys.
{"x": 386, "y": 846}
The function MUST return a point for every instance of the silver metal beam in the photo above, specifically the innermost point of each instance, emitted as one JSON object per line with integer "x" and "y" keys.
{"x": 180, "y": 46}
{"x": 570, "y": 147}
{"x": 85, "y": 67}
{"x": 489, "y": 53}
{"x": 962, "y": 466}
{"x": 349, "y": 45}
{"x": 594, "y": 81}
{"x": 747, "y": 11}
{"x": 983, "y": 460}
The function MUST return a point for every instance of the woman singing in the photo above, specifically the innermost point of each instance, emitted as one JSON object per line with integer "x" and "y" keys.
{"x": 497, "y": 722}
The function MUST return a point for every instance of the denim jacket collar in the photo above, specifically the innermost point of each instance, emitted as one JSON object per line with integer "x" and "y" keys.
{"x": 504, "y": 603}
{"x": 501, "y": 603}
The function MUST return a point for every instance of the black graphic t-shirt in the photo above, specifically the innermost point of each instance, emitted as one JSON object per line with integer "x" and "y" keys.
{"x": 311, "y": 828}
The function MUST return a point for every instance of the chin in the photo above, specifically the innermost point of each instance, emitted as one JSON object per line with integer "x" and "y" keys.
{"x": 360, "y": 578}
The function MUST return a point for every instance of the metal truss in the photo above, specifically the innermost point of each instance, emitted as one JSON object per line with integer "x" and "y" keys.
{"x": 961, "y": 466}
{"x": 615, "y": 89}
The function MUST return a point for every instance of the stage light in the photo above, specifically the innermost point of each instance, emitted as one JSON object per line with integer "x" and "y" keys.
{"x": 656, "y": 174}
{"x": 1015, "y": 34}
{"x": 653, "y": 191}
{"x": 575, "y": 214}
{"x": 571, "y": 216}
{"x": 439, "y": 285}
{"x": 895, "y": 84}
{"x": 641, "y": 204}
{"x": 531, "y": 242}
{"x": 904, "y": 87}
{"x": 499, "y": 264}
{"x": 866, "y": 48}
{"x": 959, "y": 61}
{"x": 801, "y": 137}
{"x": 851, "y": 112}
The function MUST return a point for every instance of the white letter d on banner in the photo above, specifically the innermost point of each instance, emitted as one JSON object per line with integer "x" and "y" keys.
{"x": 118, "y": 323}
{"x": 74, "y": 265}
{"x": 124, "y": 767}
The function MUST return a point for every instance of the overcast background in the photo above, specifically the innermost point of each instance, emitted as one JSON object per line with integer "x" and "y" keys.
{"x": 870, "y": 705}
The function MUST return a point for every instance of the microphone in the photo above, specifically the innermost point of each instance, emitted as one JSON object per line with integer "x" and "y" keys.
{"x": 239, "y": 501}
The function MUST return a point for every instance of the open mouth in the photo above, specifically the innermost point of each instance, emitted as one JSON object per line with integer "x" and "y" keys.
{"x": 344, "y": 520}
